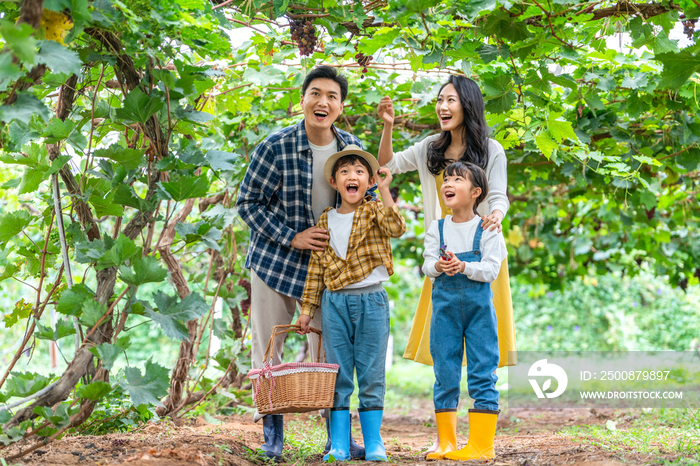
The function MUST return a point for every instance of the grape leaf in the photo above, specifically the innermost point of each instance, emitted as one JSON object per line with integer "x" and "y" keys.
{"x": 143, "y": 270}
{"x": 72, "y": 300}
{"x": 94, "y": 391}
{"x": 147, "y": 388}
{"x": 64, "y": 328}
{"x": 107, "y": 354}
{"x": 186, "y": 187}
{"x": 171, "y": 315}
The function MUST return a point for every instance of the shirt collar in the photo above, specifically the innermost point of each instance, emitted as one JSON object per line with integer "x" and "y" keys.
{"x": 303, "y": 140}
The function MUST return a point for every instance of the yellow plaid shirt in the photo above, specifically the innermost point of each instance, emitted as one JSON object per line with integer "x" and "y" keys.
{"x": 368, "y": 248}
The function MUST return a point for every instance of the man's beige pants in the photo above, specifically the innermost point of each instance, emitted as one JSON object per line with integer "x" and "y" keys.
{"x": 267, "y": 309}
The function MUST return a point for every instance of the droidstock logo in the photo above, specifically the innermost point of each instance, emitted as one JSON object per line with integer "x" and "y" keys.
{"x": 542, "y": 368}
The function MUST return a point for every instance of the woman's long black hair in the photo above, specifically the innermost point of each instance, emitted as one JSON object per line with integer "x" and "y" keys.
{"x": 475, "y": 131}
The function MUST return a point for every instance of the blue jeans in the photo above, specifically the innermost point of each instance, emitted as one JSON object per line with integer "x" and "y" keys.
{"x": 463, "y": 313}
{"x": 355, "y": 336}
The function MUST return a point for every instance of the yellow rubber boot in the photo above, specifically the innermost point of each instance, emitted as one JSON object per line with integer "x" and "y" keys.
{"x": 482, "y": 431}
{"x": 447, "y": 434}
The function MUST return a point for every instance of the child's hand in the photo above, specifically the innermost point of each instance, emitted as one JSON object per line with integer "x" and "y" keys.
{"x": 453, "y": 266}
{"x": 441, "y": 264}
{"x": 384, "y": 182}
{"x": 303, "y": 322}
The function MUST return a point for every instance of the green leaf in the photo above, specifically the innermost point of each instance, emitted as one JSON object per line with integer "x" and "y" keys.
{"x": 23, "y": 384}
{"x": 220, "y": 160}
{"x": 200, "y": 231}
{"x": 678, "y": 67}
{"x": 545, "y": 144}
{"x": 186, "y": 187}
{"x": 21, "y": 311}
{"x": 125, "y": 195}
{"x": 212, "y": 420}
{"x": 130, "y": 159}
{"x": 64, "y": 328}
{"x": 123, "y": 250}
{"x": 23, "y": 109}
{"x": 144, "y": 270}
{"x": 72, "y": 300}
{"x": 58, "y": 58}
{"x": 499, "y": 98}
{"x": 264, "y": 77}
{"x": 148, "y": 388}
{"x": 138, "y": 107}
{"x": 8, "y": 71}
{"x": 18, "y": 37}
{"x": 635, "y": 82}
{"x": 12, "y": 224}
{"x": 172, "y": 316}
{"x": 561, "y": 130}
{"x": 61, "y": 418}
{"x": 94, "y": 391}
{"x": 107, "y": 354}
{"x": 92, "y": 312}
{"x": 31, "y": 179}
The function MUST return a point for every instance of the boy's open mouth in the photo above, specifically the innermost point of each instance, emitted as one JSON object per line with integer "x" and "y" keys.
{"x": 352, "y": 188}
{"x": 321, "y": 113}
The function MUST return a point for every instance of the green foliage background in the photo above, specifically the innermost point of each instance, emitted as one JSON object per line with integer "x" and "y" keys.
{"x": 143, "y": 109}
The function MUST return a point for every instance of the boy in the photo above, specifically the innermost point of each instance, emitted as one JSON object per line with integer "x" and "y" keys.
{"x": 348, "y": 274}
{"x": 463, "y": 259}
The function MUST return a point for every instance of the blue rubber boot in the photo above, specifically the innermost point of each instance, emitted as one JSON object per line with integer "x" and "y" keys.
{"x": 273, "y": 430}
{"x": 340, "y": 437}
{"x": 357, "y": 452}
{"x": 371, "y": 421}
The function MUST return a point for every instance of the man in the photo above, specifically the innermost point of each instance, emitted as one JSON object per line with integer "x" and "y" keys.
{"x": 282, "y": 195}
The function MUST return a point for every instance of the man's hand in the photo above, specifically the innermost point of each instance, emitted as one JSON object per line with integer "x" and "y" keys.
{"x": 312, "y": 238}
{"x": 385, "y": 111}
{"x": 493, "y": 221}
{"x": 303, "y": 322}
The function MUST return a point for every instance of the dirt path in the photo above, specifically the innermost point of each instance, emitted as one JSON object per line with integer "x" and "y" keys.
{"x": 525, "y": 438}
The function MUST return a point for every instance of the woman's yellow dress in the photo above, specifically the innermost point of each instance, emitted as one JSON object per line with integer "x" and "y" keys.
{"x": 418, "y": 347}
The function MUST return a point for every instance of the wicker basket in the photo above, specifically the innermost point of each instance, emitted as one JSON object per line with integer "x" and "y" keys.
{"x": 293, "y": 387}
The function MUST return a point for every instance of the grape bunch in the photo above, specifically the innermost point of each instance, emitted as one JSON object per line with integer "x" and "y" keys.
{"x": 304, "y": 34}
{"x": 245, "y": 303}
{"x": 363, "y": 60}
{"x": 688, "y": 26}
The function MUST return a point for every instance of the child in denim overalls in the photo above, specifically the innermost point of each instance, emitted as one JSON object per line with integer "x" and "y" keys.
{"x": 463, "y": 260}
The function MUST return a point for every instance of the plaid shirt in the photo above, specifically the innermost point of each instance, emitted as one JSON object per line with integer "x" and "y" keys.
{"x": 368, "y": 248}
{"x": 275, "y": 202}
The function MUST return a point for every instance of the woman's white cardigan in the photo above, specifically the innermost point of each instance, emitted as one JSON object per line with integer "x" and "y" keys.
{"x": 416, "y": 158}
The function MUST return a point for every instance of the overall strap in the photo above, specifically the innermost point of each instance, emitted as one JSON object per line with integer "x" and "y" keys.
{"x": 477, "y": 237}
{"x": 441, "y": 223}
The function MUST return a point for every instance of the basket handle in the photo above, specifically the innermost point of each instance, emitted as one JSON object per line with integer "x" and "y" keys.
{"x": 283, "y": 329}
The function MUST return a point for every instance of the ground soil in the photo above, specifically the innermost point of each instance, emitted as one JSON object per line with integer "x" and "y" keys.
{"x": 524, "y": 438}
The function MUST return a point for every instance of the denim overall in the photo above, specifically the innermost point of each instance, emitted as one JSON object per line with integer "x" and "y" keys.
{"x": 463, "y": 313}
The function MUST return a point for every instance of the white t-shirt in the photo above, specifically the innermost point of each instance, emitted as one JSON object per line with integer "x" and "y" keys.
{"x": 322, "y": 194}
{"x": 459, "y": 237}
{"x": 339, "y": 229}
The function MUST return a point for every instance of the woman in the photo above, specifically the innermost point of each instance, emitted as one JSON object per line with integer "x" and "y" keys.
{"x": 464, "y": 136}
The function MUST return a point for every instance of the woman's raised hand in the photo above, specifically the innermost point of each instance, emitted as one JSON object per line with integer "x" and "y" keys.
{"x": 385, "y": 110}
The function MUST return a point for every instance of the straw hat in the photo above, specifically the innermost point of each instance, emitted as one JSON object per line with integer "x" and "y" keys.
{"x": 350, "y": 149}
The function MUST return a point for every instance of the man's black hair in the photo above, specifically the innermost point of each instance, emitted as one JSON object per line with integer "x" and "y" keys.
{"x": 474, "y": 174}
{"x": 326, "y": 72}
{"x": 350, "y": 159}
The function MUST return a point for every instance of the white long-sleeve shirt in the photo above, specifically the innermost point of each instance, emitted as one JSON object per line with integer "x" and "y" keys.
{"x": 416, "y": 158}
{"x": 459, "y": 237}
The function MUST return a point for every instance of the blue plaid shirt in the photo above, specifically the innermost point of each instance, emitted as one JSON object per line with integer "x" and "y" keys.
{"x": 275, "y": 202}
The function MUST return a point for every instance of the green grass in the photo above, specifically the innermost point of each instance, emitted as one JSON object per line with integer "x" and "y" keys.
{"x": 661, "y": 433}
